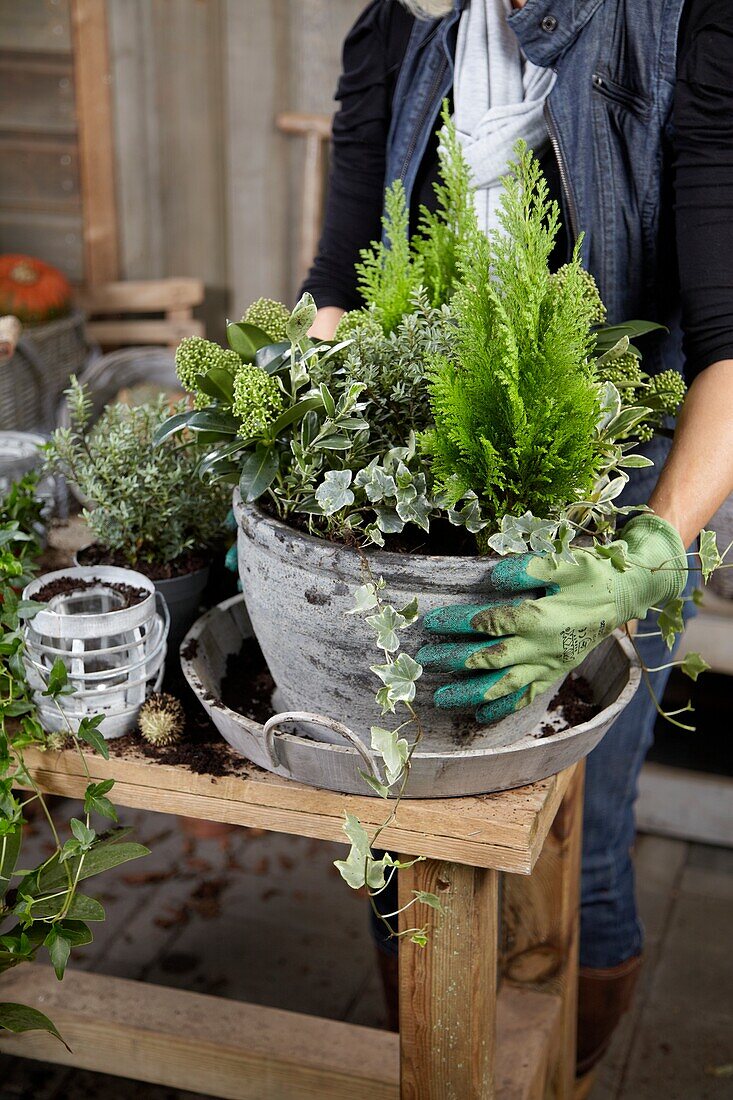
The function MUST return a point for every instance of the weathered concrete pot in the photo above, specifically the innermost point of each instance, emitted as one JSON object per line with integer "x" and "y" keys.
{"x": 612, "y": 671}
{"x": 298, "y": 590}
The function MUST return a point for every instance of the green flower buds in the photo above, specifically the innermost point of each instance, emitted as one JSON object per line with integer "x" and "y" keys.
{"x": 667, "y": 390}
{"x": 301, "y": 318}
{"x": 590, "y": 292}
{"x": 355, "y": 322}
{"x": 625, "y": 370}
{"x": 257, "y": 400}
{"x": 195, "y": 356}
{"x": 271, "y": 316}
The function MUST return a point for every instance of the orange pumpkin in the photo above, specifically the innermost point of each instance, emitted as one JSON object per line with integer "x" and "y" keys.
{"x": 32, "y": 290}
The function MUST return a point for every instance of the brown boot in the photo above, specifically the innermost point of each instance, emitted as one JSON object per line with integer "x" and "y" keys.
{"x": 389, "y": 969}
{"x": 603, "y": 998}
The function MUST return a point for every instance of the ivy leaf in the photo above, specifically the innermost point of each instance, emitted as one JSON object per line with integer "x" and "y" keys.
{"x": 386, "y": 624}
{"x": 388, "y": 522}
{"x": 393, "y": 749}
{"x": 671, "y": 622}
{"x": 468, "y": 515}
{"x": 377, "y": 787}
{"x": 360, "y": 868}
{"x": 399, "y": 678}
{"x": 429, "y": 899}
{"x": 420, "y": 937}
{"x": 410, "y": 611}
{"x": 334, "y": 493}
{"x": 698, "y": 597}
{"x": 693, "y": 664}
{"x": 615, "y": 552}
{"x": 365, "y": 598}
{"x": 376, "y": 483}
{"x": 709, "y": 554}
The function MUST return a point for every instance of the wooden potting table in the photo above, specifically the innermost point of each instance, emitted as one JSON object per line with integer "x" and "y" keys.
{"x": 487, "y": 1009}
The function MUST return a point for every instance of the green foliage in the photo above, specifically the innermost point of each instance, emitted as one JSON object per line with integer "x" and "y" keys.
{"x": 143, "y": 502}
{"x": 257, "y": 399}
{"x": 22, "y": 508}
{"x": 389, "y": 272}
{"x": 270, "y": 316}
{"x": 41, "y": 909}
{"x": 398, "y": 675}
{"x": 355, "y": 323}
{"x": 514, "y": 404}
{"x": 443, "y": 233}
{"x": 394, "y": 269}
{"x": 195, "y": 356}
{"x": 588, "y": 289}
{"x": 660, "y": 395}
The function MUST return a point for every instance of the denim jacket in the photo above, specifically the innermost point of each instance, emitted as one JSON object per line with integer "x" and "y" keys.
{"x": 608, "y": 117}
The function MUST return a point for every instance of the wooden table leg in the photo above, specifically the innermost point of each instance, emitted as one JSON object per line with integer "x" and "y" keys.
{"x": 448, "y": 988}
{"x": 540, "y": 926}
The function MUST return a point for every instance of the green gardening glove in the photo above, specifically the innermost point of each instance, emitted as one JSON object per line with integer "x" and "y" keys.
{"x": 512, "y": 648}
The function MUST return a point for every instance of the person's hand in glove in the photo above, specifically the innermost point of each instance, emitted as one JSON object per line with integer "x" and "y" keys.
{"x": 508, "y": 650}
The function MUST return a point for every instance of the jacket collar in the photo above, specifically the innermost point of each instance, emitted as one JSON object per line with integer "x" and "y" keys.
{"x": 545, "y": 28}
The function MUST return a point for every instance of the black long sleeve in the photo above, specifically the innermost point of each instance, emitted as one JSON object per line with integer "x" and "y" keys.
{"x": 703, "y": 179}
{"x": 373, "y": 53}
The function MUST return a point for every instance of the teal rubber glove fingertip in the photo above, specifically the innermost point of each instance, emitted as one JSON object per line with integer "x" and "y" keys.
{"x": 502, "y": 708}
{"x": 468, "y": 692}
{"x": 230, "y": 523}
{"x": 230, "y": 561}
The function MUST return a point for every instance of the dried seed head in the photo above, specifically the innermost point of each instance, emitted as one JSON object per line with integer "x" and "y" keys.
{"x": 58, "y": 740}
{"x": 161, "y": 719}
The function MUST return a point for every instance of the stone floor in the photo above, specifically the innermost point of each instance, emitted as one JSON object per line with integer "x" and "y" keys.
{"x": 265, "y": 918}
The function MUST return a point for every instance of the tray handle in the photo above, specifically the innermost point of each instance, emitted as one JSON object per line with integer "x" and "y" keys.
{"x": 318, "y": 719}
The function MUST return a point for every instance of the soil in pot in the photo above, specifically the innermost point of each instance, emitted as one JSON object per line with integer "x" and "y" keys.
{"x": 66, "y": 586}
{"x": 181, "y": 583}
{"x": 186, "y": 563}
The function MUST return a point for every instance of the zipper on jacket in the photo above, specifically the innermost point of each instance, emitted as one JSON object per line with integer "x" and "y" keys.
{"x": 417, "y": 130}
{"x": 563, "y": 170}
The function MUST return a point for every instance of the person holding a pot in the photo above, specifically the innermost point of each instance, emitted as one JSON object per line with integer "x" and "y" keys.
{"x": 629, "y": 105}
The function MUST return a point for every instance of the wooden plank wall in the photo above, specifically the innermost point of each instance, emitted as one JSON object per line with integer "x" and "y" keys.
{"x": 40, "y": 204}
{"x": 205, "y": 184}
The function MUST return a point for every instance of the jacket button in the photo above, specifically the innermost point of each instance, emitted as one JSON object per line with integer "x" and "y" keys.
{"x": 549, "y": 24}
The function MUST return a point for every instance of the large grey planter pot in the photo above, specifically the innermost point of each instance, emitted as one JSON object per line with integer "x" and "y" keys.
{"x": 612, "y": 671}
{"x": 298, "y": 590}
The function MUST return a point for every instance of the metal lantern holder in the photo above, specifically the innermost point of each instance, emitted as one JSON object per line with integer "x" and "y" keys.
{"x": 114, "y": 655}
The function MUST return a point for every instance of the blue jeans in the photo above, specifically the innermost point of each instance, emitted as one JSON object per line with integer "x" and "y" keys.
{"x": 610, "y": 929}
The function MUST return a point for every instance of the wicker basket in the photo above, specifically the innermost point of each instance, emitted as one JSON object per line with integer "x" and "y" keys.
{"x": 32, "y": 382}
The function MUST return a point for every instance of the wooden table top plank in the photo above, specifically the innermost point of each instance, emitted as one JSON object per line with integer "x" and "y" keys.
{"x": 504, "y": 831}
